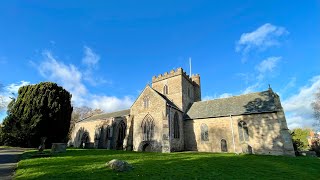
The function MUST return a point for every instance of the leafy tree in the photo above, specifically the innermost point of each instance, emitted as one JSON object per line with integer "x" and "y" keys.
{"x": 300, "y": 138}
{"x": 316, "y": 108}
{"x": 41, "y": 110}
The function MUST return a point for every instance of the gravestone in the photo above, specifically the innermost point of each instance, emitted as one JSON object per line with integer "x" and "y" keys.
{"x": 58, "y": 147}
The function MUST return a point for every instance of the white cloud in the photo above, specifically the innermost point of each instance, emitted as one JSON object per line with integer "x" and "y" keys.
{"x": 66, "y": 75}
{"x": 298, "y": 106}
{"x": 90, "y": 57}
{"x": 110, "y": 103}
{"x": 14, "y": 87}
{"x": 268, "y": 65}
{"x": 251, "y": 88}
{"x": 264, "y": 69}
{"x": 8, "y": 92}
{"x": 72, "y": 79}
{"x": 91, "y": 60}
{"x": 223, "y": 95}
{"x": 265, "y": 36}
{"x": 290, "y": 84}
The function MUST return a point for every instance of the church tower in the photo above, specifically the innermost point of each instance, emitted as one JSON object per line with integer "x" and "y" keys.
{"x": 178, "y": 87}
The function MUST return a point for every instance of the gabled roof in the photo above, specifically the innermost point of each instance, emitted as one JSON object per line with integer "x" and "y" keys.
{"x": 169, "y": 102}
{"x": 163, "y": 97}
{"x": 260, "y": 102}
{"x": 107, "y": 115}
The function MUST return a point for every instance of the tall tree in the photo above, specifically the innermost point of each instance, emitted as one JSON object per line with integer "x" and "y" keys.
{"x": 316, "y": 108}
{"x": 41, "y": 110}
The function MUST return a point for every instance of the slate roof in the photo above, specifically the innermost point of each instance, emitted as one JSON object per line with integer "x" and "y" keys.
{"x": 260, "y": 102}
{"x": 107, "y": 115}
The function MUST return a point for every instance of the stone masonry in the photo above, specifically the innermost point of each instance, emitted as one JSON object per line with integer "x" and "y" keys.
{"x": 169, "y": 116}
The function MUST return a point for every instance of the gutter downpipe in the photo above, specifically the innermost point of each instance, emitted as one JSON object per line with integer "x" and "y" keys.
{"x": 234, "y": 146}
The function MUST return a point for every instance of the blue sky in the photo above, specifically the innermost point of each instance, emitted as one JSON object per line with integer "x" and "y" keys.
{"x": 106, "y": 52}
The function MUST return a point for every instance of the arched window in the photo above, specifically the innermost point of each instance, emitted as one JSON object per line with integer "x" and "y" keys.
{"x": 165, "y": 89}
{"x": 176, "y": 129}
{"x": 243, "y": 132}
{"x": 147, "y": 128}
{"x": 107, "y": 135}
{"x": 121, "y": 135}
{"x": 146, "y": 102}
{"x": 224, "y": 146}
{"x": 204, "y": 132}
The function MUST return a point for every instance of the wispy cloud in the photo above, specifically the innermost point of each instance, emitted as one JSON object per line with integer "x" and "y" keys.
{"x": 90, "y": 58}
{"x": 252, "y": 88}
{"x": 8, "y": 92}
{"x": 263, "y": 70}
{"x": 91, "y": 61}
{"x": 14, "y": 87}
{"x": 290, "y": 84}
{"x": 267, "y": 66}
{"x": 299, "y": 112}
{"x": 223, "y": 95}
{"x": 72, "y": 79}
{"x": 263, "y": 37}
{"x": 67, "y": 75}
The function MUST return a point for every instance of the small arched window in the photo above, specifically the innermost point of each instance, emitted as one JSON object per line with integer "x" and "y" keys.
{"x": 243, "y": 131}
{"x": 165, "y": 89}
{"x": 176, "y": 129}
{"x": 147, "y": 128}
{"x": 224, "y": 146}
{"x": 204, "y": 132}
{"x": 146, "y": 102}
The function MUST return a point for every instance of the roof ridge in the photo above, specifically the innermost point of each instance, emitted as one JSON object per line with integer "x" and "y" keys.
{"x": 232, "y": 96}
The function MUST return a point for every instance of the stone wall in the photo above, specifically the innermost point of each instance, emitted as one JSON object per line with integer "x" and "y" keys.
{"x": 177, "y": 144}
{"x": 265, "y": 134}
{"x": 96, "y": 130}
{"x": 182, "y": 89}
{"x": 156, "y": 110}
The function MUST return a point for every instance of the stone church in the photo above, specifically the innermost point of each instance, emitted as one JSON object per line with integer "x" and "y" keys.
{"x": 169, "y": 116}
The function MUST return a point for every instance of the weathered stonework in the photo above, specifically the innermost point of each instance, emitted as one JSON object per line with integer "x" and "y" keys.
{"x": 169, "y": 116}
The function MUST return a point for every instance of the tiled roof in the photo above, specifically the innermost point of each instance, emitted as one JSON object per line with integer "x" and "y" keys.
{"x": 107, "y": 115}
{"x": 266, "y": 101}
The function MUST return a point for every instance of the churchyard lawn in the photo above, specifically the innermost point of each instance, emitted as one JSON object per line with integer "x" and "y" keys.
{"x": 90, "y": 164}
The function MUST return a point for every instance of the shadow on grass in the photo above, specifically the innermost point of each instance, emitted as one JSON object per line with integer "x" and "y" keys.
{"x": 90, "y": 164}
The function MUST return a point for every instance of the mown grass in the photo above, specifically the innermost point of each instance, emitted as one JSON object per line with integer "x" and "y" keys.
{"x": 90, "y": 164}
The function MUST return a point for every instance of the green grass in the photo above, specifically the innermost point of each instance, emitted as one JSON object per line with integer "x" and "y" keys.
{"x": 90, "y": 164}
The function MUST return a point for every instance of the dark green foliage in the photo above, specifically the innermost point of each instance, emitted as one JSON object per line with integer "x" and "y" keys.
{"x": 41, "y": 110}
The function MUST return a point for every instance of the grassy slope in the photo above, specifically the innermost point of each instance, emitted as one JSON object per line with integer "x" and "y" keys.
{"x": 90, "y": 164}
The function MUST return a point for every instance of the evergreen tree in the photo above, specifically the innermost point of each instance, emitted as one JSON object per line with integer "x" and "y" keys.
{"x": 41, "y": 110}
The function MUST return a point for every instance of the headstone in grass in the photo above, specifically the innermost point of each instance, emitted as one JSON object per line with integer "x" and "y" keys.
{"x": 58, "y": 147}
{"x": 119, "y": 165}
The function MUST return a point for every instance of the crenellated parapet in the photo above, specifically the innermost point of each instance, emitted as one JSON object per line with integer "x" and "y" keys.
{"x": 194, "y": 79}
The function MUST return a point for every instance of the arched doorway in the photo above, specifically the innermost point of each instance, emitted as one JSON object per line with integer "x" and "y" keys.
{"x": 224, "y": 147}
{"x": 246, "y": 148}
{"x": 121, "y": 135}
{"x": 85, "y": 139}
{"x": 146, "y": 147}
